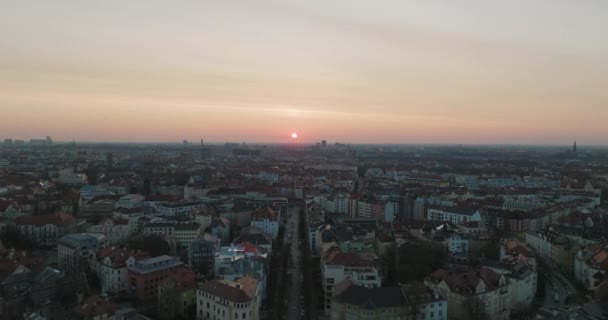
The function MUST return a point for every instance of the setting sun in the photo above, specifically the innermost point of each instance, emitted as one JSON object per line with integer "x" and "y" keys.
{"x": 294, "y": 135}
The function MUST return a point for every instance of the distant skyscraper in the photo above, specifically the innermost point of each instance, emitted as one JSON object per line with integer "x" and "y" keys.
{"x": 205, "y": 152}
{"x": 574, "y": 147}
{"x": 8, "y": 141}
{"x": 323, "y": 143}
{"x": 185, "y": 142}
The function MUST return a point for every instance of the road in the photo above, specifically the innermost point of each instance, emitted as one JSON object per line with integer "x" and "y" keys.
{"x": 556, "y": 283}
{"x": 294, "y": 300}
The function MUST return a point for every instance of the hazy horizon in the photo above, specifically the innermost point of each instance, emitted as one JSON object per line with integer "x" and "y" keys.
{"x": 384, "y": 72}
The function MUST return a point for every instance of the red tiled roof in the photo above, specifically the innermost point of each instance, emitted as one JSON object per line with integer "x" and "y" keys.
{"x": 465, "y": 281}
{"x": 56, "y": 219}
{"x": 347, "y": 259}
{"x": 263, "y": 214}
{"x": 249, "y": 248}
{"x": 225, "y": 291}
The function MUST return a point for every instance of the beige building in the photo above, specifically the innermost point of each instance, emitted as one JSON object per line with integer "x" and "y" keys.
{"x": 228, "y": 300}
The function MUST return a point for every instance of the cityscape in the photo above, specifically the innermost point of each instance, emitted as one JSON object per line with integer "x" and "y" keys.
{"x": 302, "y": 231}
{"x": 303, "y": 160}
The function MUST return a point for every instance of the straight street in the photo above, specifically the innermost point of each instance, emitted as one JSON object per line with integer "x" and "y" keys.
{"x": 294, "y": 301}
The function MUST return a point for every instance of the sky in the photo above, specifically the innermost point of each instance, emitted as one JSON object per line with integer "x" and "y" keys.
{"x": 355, "y": 71}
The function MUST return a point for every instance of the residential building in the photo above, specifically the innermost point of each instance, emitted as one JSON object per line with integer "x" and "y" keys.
{"x": 201, "y": 253}
{"x": 591, "y": 266}
{"x": 132, "y": 216}
{"x": 160, "y": 227}
{"x": 554, "y": 247}
{"x": 228, "y": 300}
{"x": 204, "y": 217}
{"x": 522, "y": 280}
{"x": 340, "y": 266}
{"x": 427, "y": 180}
{"x": 220, "y": 227}
{"x": 130, "y": 201}
{"x": 116, "y": 231}
{"x": 45, "y": 230}
{"x": 179, "y": 208}
{"x": 267, "y": 221}
{"x": 473, "y": 293}
{"x": 176, "y": 299}
{"x": 75, "y": 250}
{"x": 455, "y": 215}
{"x": 111, "y": 265}
{"x": 146, "y": 275}
{"x": 226, "y": 256}
{"x": 186, "y": 232}
{"x": 413, "y": 301}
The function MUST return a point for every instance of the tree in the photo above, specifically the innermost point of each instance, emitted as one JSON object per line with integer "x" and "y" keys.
{"x": 415, "y": 261}
{"x": 153, "y": 244}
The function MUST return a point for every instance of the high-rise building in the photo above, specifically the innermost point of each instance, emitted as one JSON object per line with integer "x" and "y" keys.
{"x": 8, "y": 142}
{"x": 574, "y": 147}
{"x": 323, "y": 143}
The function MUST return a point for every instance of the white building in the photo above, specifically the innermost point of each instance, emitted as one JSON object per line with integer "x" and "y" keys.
{"x": 227, "y": 300}
{"x": 336, "y": 204}
{"x": 540, "y": 242}
{"x": 226, "y": 256}
{"x": 267, "y": 221}
{"x": 186, "y": 232}
{"x": 314, "y": 235}
{"x": 111, "y": 266}
{"x": 116, "y": 231}
{"x": 131, "y": 215}
{"x": 457, "y": 243}
{"x": 180, "y": 208}
{"x": 522, "y": 283}
{"x": 204, "y": 218}
{"x": 391, "y": 210}
{"x": 455, "y": 215}
{"x": 160, "y": 227}
{"x": 75, "y": 250}
{"x": 130, "y": 201}
{"x": 591, "y": 266}
{"x": 348, "y": 266}
{"x": 69, "y": 177}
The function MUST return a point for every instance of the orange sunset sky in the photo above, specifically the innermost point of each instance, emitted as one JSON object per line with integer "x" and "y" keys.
{"x": 522, "y": 72}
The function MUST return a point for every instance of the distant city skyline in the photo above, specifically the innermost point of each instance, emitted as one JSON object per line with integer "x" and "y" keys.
{"x": 472, "y": 72}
